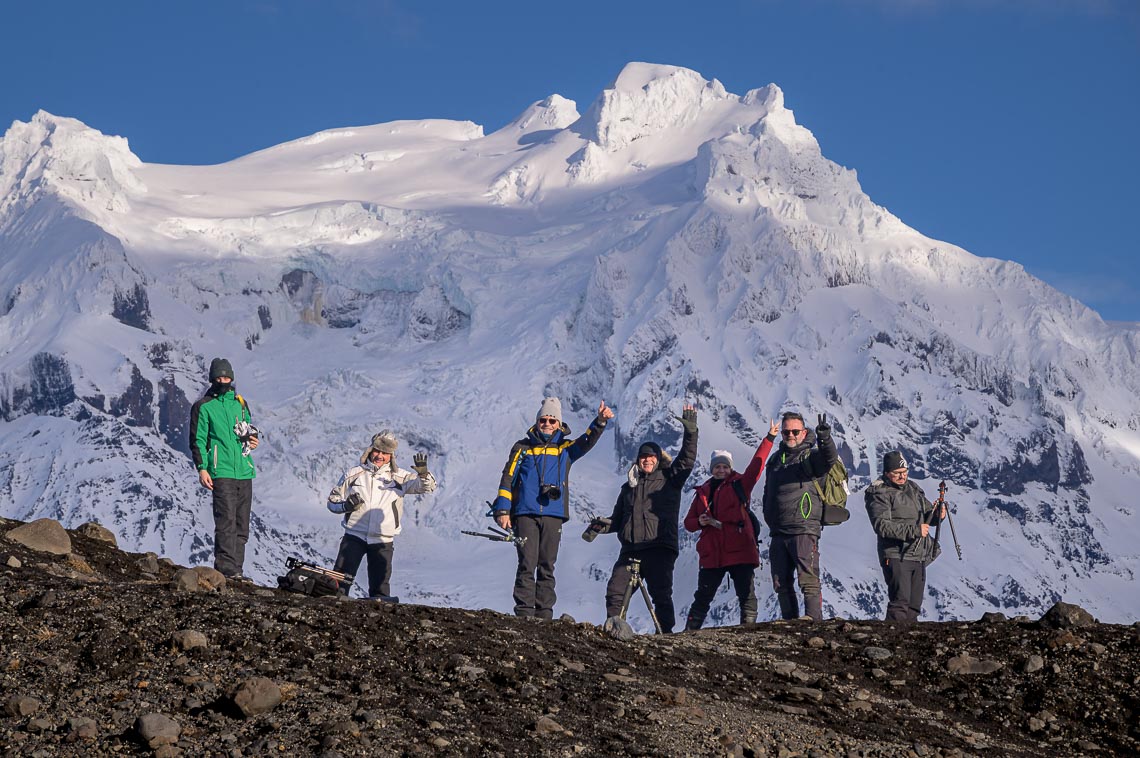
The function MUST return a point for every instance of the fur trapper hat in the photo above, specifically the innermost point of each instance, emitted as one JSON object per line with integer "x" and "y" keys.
{"x": 384, "y": 441}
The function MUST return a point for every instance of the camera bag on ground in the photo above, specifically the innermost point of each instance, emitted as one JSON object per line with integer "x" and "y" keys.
{"x": 307, "y": 579}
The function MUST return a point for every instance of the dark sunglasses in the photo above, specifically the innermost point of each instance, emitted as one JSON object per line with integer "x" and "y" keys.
{"x": 793, "y": 432}
{"x": 548, "y": 422}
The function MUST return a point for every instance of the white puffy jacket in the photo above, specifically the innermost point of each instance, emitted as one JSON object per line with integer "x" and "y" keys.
{"x": 383, "y": 490}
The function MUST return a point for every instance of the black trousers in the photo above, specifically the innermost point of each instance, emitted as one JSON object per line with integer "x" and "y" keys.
{"x": 534, "y": 579}
{"x": 353, "y": 550}
{"x": 708, "y": 582}
{"x": 657, "y": 571}
{"x": 233, "y": 500}
{"x": 791, "y": 556}
{"x": 906, "y": 584}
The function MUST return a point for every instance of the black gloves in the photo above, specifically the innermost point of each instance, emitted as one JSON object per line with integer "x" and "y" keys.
{"x": 353, "y": 501}
{"x": 688, "y": 419}
{"x": 419, "y": 464}
{"x": 821, "y": 428}
{"x": 598, "y": 525}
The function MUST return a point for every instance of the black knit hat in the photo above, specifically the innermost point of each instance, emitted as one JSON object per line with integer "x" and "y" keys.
{"x": 893, "y": 461}
{"x": 649, "y": 448}
{"x": 220, "y": 367}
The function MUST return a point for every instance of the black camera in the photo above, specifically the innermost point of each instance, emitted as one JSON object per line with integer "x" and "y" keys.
{"x": 549, "y": 491}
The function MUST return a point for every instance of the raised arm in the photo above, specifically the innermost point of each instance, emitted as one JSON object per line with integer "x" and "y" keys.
{"x": 755, "y": 467}
{"x": 589, "y": 438}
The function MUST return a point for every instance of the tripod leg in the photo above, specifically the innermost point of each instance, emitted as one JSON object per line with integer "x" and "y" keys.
{"x": 954, "y": 534}
{"x": 649, "y": 605}
{"x": 625, "y": 599}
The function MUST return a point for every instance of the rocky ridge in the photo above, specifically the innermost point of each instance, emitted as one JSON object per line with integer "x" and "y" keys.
{"x": 107, "y": 652}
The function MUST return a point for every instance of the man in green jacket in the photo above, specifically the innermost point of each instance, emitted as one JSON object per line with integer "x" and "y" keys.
{"x": 222, "y": 436}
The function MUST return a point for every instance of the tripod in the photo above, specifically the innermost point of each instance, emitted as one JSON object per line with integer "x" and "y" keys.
{"x": 636, "y": 581}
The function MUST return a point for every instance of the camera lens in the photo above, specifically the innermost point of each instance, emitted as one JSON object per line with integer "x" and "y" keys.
{"x": 550, "y": 492}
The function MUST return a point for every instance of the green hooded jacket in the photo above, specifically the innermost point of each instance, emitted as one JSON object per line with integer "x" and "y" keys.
{"x": 213, "y": 443}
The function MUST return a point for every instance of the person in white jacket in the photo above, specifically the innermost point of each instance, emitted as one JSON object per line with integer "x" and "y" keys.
{"x": 371, "y": 497}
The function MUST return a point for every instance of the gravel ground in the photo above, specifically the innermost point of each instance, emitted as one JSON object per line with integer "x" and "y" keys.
{"x": 101, "y": 653}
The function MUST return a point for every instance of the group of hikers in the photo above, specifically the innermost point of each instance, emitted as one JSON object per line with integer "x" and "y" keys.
{"x": 533, "y": 498}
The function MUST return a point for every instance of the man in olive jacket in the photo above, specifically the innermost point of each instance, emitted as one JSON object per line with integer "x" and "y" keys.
{"x": 794, "y": 514}
{"x": 221, "y": 439}
{"x": 645, "y": 521}
{"x": 901, "y": 516}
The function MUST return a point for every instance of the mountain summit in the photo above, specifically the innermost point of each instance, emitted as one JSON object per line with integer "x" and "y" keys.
{"x": 674, "y": 243}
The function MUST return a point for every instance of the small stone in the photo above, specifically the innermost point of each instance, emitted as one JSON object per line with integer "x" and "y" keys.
{"x": 157, "y": 729}
{"x": 148, "y": 563}
{"x": 256, "y": 695}
{"x": 878, "y": 673}
{"x": 784, "y": 668}
{"x": 96, "y": 531}
{"x": 210, "y": 578}
{"x": 993, "y": 617}
{"x": 21, "y": 706}
{"x": 1096, "y": 648}
{"x": 1064, "y": 638}
{"x": 805, "y": 694}
{"x": 36, "y": 726}
{"x": 13, "y": 562}
{"x": 793, "y": 710}
{"x": 43, "y": 535}
{"x": 618, "y": 678}
{"x": 83, "y": 728}
{"x": 860, "y": 705}
{"x": 1036, "y": 724}
{"x": 185, "y": 580}
{"x": 546, "y": 725}
{"x": 877, "y": 653}
{"x": 572, "y": 665}
{"x": 566, "y": 618}
{"x": 618, "y": 628}
{"x": 1034, "y": 663}
{"x": 967, "y": 664}
{"x": 440, "y": 743}
{"x": 673, "y": 695}
{"x": 188, "y": 639}
{"x": 817, "y": 643}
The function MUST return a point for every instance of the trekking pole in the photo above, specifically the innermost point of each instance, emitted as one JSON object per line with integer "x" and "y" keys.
{"x": 938, "y": 505}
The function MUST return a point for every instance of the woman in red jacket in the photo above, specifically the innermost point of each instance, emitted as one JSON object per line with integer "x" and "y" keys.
{"x": 727, "y": 544}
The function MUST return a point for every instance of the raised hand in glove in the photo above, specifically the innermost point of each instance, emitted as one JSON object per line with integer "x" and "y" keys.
{"x": 688, "y": 419}
{"x": 353, "y": 501}
{"x": 419, "y": 464}
{"x": 822, "y": 428}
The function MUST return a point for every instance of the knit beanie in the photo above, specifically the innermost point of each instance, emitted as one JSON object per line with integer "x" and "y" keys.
{"x": 220, "y": 367}
{"x": 893, "y": 461}
{"x": 721, "y": 456}
{"x": 649, "y": 448}
{"x": 551, "y": 408}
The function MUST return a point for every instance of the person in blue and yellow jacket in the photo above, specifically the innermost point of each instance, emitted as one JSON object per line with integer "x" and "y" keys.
{"x": 222, "y": 436}
{"x": 534, "y": 497}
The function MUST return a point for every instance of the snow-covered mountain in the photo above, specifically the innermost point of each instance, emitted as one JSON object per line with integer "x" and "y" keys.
{"x": 676, "y": 242}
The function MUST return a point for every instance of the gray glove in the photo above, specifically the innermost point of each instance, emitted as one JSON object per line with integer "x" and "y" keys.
{"x": 419, "y": 464}
{"x": 688, "y": 419}
{"x": 353, "y": 502}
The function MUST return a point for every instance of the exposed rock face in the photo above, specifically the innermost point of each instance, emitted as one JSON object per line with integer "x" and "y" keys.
{"x": 132, "y": 307}
{"x": 97, "y": 531}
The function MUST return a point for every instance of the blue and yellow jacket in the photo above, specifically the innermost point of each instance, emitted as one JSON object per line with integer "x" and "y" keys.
{"x": 535, "y": 462}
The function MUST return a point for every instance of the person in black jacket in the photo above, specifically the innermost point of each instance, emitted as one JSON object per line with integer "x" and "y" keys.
{"x": 645, "y": 521}
{"x": 794, "y": 514}
{"x": 901, "y": 516}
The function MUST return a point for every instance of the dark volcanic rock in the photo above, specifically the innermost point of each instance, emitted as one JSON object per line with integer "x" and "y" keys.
{"x": 1067, "y": 616}
{"x": 359, "y": 678}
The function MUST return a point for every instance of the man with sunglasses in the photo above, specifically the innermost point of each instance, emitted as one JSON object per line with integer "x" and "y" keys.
{"x": 793, "y": 512}
{"x": 534, "y": 497}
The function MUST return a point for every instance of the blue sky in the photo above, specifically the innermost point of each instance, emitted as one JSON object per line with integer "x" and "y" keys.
{"x": 1008, "y": 127}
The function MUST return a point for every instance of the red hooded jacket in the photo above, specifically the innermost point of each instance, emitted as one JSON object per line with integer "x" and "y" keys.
{"x": 734, "y": 543}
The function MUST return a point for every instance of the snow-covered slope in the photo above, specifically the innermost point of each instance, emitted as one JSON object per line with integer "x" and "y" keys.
{"x": 674, "y": 243}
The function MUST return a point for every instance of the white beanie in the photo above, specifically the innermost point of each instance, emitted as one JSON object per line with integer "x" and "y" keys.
{"x": 721, "y": 456}
{"x": 551, "y": 407}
